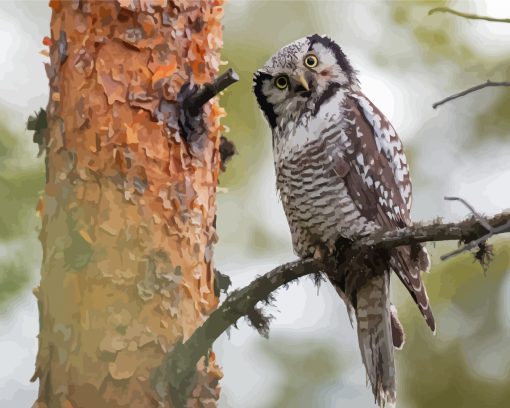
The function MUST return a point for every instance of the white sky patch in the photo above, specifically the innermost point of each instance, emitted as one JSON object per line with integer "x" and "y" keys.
{"x": 8, "y": 43}
{"x": 24, "y": 83}
{"x": 483, "y": 183}
{"x": 489, "y": 38}
{"x": 18, "y": 348}
{"x": 498, "y": 9}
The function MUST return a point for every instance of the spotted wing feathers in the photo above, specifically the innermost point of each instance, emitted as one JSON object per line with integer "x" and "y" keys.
{"x": 380, "y": 185}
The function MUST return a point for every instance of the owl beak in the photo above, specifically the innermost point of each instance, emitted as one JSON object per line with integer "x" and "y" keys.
{"x": 302, "y": 81}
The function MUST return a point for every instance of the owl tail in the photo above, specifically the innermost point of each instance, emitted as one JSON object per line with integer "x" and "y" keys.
{"x": 374, "y": 321}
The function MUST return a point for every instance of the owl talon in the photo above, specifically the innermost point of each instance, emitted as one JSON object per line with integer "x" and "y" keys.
{"x": 320, "y": 253}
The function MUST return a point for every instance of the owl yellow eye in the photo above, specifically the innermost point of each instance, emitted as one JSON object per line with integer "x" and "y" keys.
{"x": 311, "y": 61}
{"x": 281, "y": 82}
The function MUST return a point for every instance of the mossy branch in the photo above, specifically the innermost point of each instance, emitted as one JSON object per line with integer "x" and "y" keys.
{"x": 175, "y": 375}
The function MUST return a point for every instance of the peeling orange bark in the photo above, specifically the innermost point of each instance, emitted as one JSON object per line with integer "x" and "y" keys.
{"x": 127, "y": 210}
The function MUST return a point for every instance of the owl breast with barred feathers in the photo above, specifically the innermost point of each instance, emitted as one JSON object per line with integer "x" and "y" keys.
{"x": 342, "y": 173}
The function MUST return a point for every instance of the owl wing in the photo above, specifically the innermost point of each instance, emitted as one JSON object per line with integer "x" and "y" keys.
{"x": 379, "y": 163}
{"x": 378, "y": 182}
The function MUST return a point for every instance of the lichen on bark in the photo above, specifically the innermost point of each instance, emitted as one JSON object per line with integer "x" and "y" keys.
{"x": 128, "y": 209}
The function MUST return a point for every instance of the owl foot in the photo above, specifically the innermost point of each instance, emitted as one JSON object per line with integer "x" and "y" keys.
{"x": 320, "y": 253}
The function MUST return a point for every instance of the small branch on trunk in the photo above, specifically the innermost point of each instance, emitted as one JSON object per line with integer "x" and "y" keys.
{"x": 175, "y": 375}
{"x": 194, "y": 102}
{"x": 489, "y": 83}
{"x": 191, "y": 99}
{"x": 468, "y": 15}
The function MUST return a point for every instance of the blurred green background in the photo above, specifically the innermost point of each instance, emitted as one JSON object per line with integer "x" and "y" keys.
{"x": 406, "y": 61}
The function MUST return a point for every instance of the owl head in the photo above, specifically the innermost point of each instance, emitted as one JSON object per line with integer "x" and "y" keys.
{"x": 299, "y": 75}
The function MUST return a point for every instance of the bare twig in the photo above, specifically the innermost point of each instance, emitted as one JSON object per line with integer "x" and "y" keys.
{"x": 481, "y": 219}
{"x": 473, "y": 244}
{"x": 176, "y": 373}
{"x": 473, "y": 17}
{"x": 470, "y": 90}
{"x": 468, "y": 15}
{"x": 483, "y": 222}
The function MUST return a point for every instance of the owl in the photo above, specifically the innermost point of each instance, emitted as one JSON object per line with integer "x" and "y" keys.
{"x": 341, "y": 173}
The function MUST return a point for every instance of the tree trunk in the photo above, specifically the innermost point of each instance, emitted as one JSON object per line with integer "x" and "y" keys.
{"x": 128, "y": 210}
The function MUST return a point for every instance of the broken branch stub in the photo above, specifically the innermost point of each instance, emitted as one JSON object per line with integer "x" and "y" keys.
{"x": 192, "y": 99}
{"x": 194, "y": 102}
